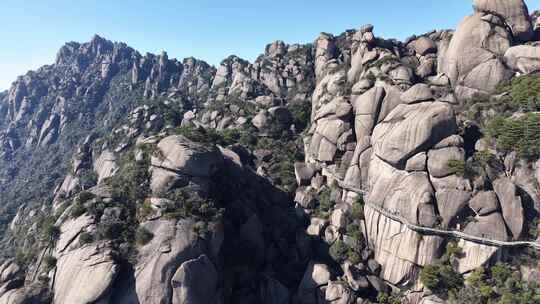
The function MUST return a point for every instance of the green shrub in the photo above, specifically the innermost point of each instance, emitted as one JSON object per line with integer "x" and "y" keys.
{"x": 143, "y": 236}
{"x": 201, "y": 229}
{"x": 185, "y": 205}
{"x": 498, "y": 285}
{"x": 500, "y": 273}
{"x": 353, "y": 231}
{"x": 452, "y": 251}
{"x": 517, "y": 134}
{"x": 441, "y": 278}
{"x": 457, "y": 167}
{"x": 88, "y": 178}
{"x": 50, "y": 262}
{"x": 353, "y": 257}
{"x": 85, "y": 238}
{"x": 210, "y": 136}
{"x": 131, "y": 183}
{"x": 301, "y": 113}
{"x": 325, "y": 203}
{"x": 24, "y": 257}
{"x": 49, "y": 230}
{"x": 339, "y": 251}
{"x": 384, "y": 298}
{"x": 145, "y": 210}
{"x": 358, "y": 209}
{"x": 85, "y": 196}
{"x": 524, "y": 92}
{"x": 77, "y": 210}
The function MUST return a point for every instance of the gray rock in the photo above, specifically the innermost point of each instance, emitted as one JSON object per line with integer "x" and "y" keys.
{"x": 85, "y": 275}
{"x": 490, "y": 226}
{"x": 417, "y": 93}
{"x": 450, "y": 202}
{"x": 304, "y": 173}
{"x": 261, "y": 120}
{"x": 439, "y": 159}
{"x": 514, "y": 12}
{"x": 195, "y": 282}
{"x": 423, "y": 46}
{"x": 378, "y": 284}
{"x": 9, "y": 270}
{"x": 338, "y": 293}
{"x": 316, "y": 275}
{"x": 523, "y": 58}
{"x": 417, "y": 162}
{"x": 316, "y": 228}
{"x": 157, "y": 262}
{"x": 399, "y": 191}
{"x": 471, "y": 59}
{"x": 484, "y": 203}
{"x": 366, "y": 108}
{"x": 305, "y": 197}
{"x": 181, "y": 157}
{"x": 105, "y": 166}
{"x": 355, "y": 277}
{"x": 410, "y": 129}
{"x": 512, "y": 208}
{"x": 339, "y": 219}
{"x": 374, "y": 267}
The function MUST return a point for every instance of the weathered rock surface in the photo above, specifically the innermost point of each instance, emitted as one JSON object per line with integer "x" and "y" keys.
{"x": 85, "y": 275}
{"x": 512, "y": 208}
{"x": 316, "y": 276}
{"x": 159, "y": 260}
{"x": 471, "y": 60}
{"x": 409, "y": 129}
{"x": 484, "y": 203}
{"x": 195, "y": 282}
{"x": 400, "y": 254}
{"x": 180, "y": 159}
{"x": 514, "y": 13}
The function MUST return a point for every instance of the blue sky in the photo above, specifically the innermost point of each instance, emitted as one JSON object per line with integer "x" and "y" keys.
{"x": 32, "y": 31}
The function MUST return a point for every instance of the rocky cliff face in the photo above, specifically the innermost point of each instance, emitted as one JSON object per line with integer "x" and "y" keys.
{"x": 129, "y": 178}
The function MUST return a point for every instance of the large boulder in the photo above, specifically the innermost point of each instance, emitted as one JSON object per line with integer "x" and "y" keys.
{"x": 323, "y": 146}
{"x": 401, "y": 192}
{"x": 158, "y": 261}
{"x": 195, "y": 282}
{"x": 338, "y": 293}
{"x": 410, "y": 129}
{"x": 477, "y": 255}
{"x": 512, "y": 208}
{"x": 472, "y": 58}
{"x": 400, "y": 251}
{"x": 514, "y": 13}
{"x": 423, "y": 46}
{"x": 315, "y": 277}
{"x": 490, "y": 226}
{"x": 85, "y": 275}
{"x": 484, "y": 203}
{"x": 450, "y": 202}
{"x": 417, "y": 93}
{"x": 439, "y": 159}
{"x": 105, "y": 166}
{"x": 179, "y": 158}
{"x": 523, "y": 58}
{"x": 367, "y": 107}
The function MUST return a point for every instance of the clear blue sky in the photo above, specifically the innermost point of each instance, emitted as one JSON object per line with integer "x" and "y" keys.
{"x": 32, "y": 31}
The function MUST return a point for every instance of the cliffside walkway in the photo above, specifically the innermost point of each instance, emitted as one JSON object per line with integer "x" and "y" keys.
{"x": 434, "y": 231}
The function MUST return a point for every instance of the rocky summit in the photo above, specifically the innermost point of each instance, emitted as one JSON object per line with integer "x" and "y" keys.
{"x": 354, "y": 169}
